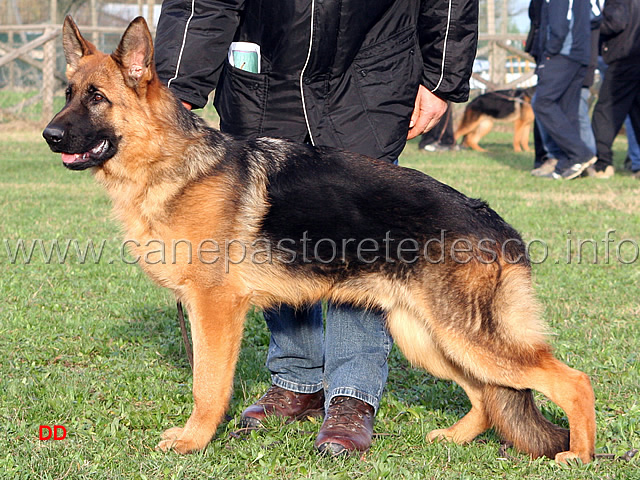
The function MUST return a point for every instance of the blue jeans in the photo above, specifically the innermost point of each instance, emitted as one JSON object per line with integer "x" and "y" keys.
{"x": 348, "y": 357}
{"x": 634, "y": 149}
{"x": 586, "y": 131}
{"x": 550, "y": 146}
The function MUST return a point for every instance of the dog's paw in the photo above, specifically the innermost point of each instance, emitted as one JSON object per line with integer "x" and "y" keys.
{"x": 439, "y": 434}
{"x": 178, "y": 445}
{"x": 571, "y": 458}
{"x": 173, "y": 439}
{"x": 172, "y": 433}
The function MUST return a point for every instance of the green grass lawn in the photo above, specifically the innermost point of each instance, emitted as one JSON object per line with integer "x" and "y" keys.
{"x": 94, "y": 346}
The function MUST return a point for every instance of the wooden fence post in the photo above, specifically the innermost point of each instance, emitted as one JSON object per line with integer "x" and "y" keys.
{"x": 150, "y": 7}
{"x": 48, "y": 76}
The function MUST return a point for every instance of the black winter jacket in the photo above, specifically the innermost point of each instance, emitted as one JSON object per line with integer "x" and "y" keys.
{"x": 620, "y": 31}
{"x": 351, "y": 83}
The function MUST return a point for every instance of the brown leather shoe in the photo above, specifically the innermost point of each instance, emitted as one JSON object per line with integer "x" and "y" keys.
{"x": 283, "y": 403}
{"x": 347, "y": 427}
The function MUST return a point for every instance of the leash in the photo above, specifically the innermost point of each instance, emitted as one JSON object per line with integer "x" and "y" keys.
{"x": 185, "y": 335}
{"x": 507, "y": 97}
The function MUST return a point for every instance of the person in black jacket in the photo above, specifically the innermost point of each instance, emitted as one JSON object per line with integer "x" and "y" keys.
{"x": 547, "y": 151}
{"x": 620, "y": 90}
{"x": 361, "y": 76}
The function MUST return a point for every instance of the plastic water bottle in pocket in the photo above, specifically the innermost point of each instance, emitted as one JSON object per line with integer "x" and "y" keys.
{"x": 245, "y": 56}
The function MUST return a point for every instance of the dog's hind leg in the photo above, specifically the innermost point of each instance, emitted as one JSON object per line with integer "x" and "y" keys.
{"x": 474, "y": 137}
{"x": 217, "y": 319}
{"x": 506, "y": 402}
{"x": 473, "y": 423}
{"x": 571, "y": 390}
{"x": 416, "y": 343}
{"x": 516, "y": 417}
{"x": 501, "y": 342}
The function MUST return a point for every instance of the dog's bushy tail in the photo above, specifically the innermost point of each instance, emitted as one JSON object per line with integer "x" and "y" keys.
{"x": 517, "y": 419}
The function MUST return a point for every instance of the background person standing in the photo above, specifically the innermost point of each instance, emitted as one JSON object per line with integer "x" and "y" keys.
{"x": 565, "y": 51}
{"x": 620, "y": 89}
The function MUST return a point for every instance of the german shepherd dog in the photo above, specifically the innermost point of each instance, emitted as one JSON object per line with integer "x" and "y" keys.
{"x": 451, "y": 276}
{"x": 508, "y": 105}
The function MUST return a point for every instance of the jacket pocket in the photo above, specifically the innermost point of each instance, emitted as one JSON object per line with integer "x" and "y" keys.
{"x": 387, "y": 76}
{"x": 240, "y": 100}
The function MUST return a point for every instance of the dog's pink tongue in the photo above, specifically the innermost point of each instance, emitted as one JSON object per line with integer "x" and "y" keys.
{"x": 68, "y": 157}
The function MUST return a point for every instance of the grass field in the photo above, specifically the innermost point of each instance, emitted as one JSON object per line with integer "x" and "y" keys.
{"x": 89, "y": 343}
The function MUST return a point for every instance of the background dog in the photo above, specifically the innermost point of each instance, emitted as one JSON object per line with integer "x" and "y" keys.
{"x": 266, "y": 221}
{"x": 507, "y": 105}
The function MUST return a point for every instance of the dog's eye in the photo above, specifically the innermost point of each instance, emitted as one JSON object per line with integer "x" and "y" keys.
{"x": 67, "y": 93}
{"x": 98, "y": 97}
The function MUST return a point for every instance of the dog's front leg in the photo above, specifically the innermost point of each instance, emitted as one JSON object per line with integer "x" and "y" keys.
{"x": 217, "y": 319}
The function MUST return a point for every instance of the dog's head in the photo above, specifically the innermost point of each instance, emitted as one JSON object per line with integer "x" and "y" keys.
{"x": 87, "y": 131}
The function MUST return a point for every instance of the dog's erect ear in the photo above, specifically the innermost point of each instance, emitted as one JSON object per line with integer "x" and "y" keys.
{"x": 74, "y": 44}
{"x": 134, "y": 54}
